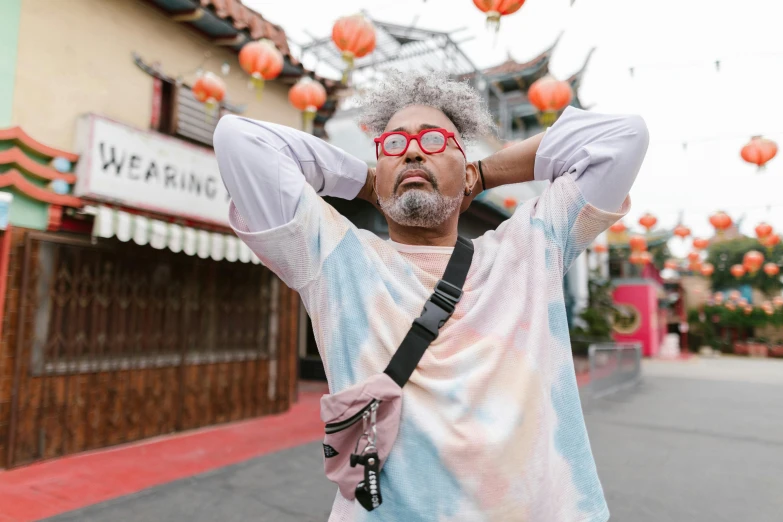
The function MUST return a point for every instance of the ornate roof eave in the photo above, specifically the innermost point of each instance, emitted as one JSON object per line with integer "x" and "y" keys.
{"x": 235, "y": 17}
{"x": 14, "y": 156}
{"x": 576, "y": 78}
{"x": 498, "y": 73}
{"x": 657, "y": 238}
{"x": 17, "y": 135}
{"x": 13, "y": 178}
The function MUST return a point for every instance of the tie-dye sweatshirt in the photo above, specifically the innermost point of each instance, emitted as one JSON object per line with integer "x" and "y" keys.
{"x": 492, "y": 427}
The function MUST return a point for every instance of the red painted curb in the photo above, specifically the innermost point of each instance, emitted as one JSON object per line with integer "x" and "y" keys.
{"x": 50, "y": 488}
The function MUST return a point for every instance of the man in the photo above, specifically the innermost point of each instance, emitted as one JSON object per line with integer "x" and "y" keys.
{"x": 492, "y": 428}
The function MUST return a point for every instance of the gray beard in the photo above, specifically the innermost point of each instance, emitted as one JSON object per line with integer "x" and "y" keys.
{"x": 420, "y": 208}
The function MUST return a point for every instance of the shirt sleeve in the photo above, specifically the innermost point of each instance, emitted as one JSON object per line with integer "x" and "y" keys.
{"x": 601, "y": 153}
{"x": 265, "y": 167}
{"x": 275, "y": 176}
{"x": 591, "y": 161}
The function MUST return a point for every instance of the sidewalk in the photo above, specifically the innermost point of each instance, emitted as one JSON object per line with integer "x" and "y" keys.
{"x": 175, "y": 474}
{"x": 49, "y": 488}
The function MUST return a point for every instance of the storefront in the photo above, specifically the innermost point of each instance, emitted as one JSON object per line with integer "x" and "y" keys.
{"x": 128, "y": 308}
{"x": 140, "y": 313}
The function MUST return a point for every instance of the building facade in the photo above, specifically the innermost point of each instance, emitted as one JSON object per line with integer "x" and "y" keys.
{"x": 128, "y": 308}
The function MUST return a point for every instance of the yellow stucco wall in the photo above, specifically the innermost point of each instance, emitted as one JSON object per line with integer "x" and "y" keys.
{"x": 75, "y": 57}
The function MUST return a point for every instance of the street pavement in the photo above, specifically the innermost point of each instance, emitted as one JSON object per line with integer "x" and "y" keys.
{"x": 699, "y": 440}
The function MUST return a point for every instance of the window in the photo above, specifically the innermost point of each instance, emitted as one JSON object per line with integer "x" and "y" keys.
{"x": 178, "y": 113}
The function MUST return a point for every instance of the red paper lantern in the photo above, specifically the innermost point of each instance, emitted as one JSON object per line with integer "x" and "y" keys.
{"x": 700, "y": 244}
{"x": 600, "y": 248}
{"x": 771, "y": 241}
{"x": 549, "y": 96}
{"x": 737, "y": 271}
{"x": 308, "y": 96}
{"x": 694, "y": 256}
{"x": 618, "y": 228}
{"x": 763, "y": 230}
{"x": 671, "y": 264}
{"x": 648, "y": 221}
{"x": 707, "y": 269}
{"x": 771, "y": 269}
{"x": 355, "y": 36}
{"x": 720, "y": 221}
{"x": 497, "y": 8}
{"x": 262, "y": 61}
{"x": 752, "y": 261}
{"x": 638, "y": 243}
{"x": 209, "y": 89}
{"x": 682, "y": 231}
{"x": 759, "y": 151}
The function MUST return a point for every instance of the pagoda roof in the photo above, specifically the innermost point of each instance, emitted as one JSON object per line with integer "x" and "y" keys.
{"x": 514, "y": 78}
{"x": 13, "y": 178}
{"x": 654, "y": 238}
{"x": 25, "y": 166}
{"x": 538, "y": 65}
{"x": 15, "y": 157}
{"x": 22, "y": 139}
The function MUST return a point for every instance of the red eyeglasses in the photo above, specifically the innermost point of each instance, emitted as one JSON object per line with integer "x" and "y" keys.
{"x": 431, "y": 141}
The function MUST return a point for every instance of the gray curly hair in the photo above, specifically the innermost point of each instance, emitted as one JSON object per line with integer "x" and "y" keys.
{"x": 460, "y": 102}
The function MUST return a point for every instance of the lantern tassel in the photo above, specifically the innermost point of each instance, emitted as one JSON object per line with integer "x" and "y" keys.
{"x": 493, "y": 21}
{"x": 547, "y": 118}
{"x": 257, "y": 83}
{"x": 209, "y": 113}
{"x": 308, "y": 116}
{"x": 348, "y": 58}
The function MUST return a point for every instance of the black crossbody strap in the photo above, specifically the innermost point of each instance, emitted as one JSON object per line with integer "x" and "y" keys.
{"x": 437, "y": 310}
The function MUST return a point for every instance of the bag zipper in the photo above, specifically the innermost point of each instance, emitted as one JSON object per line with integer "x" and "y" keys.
{"x": 334, "y": 427}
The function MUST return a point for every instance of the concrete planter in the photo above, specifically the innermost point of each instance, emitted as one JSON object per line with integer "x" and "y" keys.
{"x": 758, "y": 350}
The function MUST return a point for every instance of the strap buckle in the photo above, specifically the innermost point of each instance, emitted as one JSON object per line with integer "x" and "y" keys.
{"x": 439, "y": 307}
{"x": 450, "y": 294}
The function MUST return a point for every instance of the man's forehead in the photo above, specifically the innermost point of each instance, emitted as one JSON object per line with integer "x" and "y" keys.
{"x": 417, "y": 117}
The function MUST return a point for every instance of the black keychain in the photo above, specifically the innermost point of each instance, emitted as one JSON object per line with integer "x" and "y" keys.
{"x": 368, "y": 492}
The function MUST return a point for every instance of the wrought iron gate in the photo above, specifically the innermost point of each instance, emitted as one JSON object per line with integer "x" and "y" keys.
{"x": 117, "y": 342}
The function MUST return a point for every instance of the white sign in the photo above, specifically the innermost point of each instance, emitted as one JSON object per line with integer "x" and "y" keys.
{"x": 147, "y": 170}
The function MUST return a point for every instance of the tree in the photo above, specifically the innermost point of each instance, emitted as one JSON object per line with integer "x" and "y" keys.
{"x": 727, "y": 253}
{"x": 597, "y": 317}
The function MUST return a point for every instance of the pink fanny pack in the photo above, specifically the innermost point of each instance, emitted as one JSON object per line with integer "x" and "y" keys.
{"x": 362, "y": 421}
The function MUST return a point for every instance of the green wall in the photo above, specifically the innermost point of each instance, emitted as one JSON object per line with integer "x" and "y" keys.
{"x": 27, "y": 212}
{"x": 9, "y": 36}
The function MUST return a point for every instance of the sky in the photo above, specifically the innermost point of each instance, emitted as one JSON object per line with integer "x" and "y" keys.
{"x": 672, "y": 46}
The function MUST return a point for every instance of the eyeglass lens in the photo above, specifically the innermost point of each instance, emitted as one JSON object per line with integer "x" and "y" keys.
{"x": 432, "y": 141}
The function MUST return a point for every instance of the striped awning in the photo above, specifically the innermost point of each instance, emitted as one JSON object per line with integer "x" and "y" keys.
{"x": 158, "y": 234}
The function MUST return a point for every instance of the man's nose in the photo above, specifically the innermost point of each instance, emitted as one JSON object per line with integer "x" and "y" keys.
{"x": 414, "y": 153}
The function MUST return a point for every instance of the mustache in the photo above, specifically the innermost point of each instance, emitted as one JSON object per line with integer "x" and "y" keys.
{"x": 416, "y": 166}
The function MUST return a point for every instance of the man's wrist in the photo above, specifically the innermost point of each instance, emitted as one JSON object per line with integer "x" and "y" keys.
{"x": 367, "y": 192}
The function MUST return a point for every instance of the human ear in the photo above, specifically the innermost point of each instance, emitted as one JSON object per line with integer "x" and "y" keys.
{"x": 471, "y": 178}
